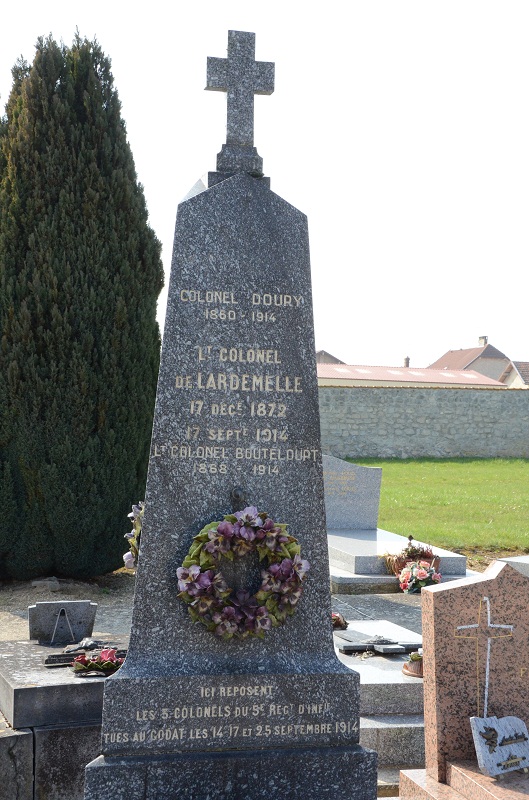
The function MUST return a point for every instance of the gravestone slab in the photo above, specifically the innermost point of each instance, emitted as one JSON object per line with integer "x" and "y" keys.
{"x": 61, "y": 622}
{"x": 32, "y": 695}
{"x": 369, "y": 635}
{"x": 53, "y": 723}
{"x": 352, "y": 494}
{"x": 476, "y": 659}
{"x": 236, "y": 424}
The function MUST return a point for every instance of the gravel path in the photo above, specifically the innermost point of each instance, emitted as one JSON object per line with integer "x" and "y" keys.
{"x": 113, "y": 594}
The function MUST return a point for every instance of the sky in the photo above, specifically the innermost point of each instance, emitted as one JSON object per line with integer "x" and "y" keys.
{"x": 400, "y": 127}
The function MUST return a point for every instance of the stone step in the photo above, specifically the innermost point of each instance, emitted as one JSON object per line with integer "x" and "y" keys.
{"x": 466, "y": 779}
{"x": 397, "y": 738}
{"x": 388, "y": 781}
{"x": 390, "y": 698}
{"x": 464, "y": 782}
{"x": 362, "y": 551}
{"x": 345, "y": 582}
{"x": 384, "y": 689}
{"x": 415, "y": 784}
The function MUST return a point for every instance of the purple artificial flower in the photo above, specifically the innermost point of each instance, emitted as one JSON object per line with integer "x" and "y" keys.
{"x": 219, "y": 585}
{"x": 247, "y": 605}
{"x": 136, "y": 511}
{"x": 187, "y": 575}
{"x": 129, "y": 560}
{"x": 220, "y": 539}
{"x": 300, "y": 566}
{"x": 249, "y": 517}
{"x": 226, "y": 621}
{"x": 204, "y": 604}
{"x": 195, "y": 582}
{"x": 262, "y": 620}
{"x": 241, "y": 546}
{"x": 263, "y": 530}
{"x": 225, "y": 529}
{"x": 290, "y": 596}
{"x": 275, "y": 537}
{"x": 244, "y": 532}
{"x": 286, "y": 569}
{"x": 272, "y": 581}
{"x": 205, "y": 580}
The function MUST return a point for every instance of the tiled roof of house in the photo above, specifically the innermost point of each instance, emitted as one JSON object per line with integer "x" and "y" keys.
{"x": 461, "y": 359}
{"x": 323, "y": 357}
{"x": 523, "y": 369}
{"x": 368, "y": 376}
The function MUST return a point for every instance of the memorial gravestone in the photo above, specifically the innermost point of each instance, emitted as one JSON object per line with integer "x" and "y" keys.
{"x": 476, "y": 666}
{"x": 192, "y": 713}
{"x": 352, "y": 495}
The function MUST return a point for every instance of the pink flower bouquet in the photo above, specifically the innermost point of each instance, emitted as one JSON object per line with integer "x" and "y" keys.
{"x": 417, "y": 574}
{"x": 104, "y": 663}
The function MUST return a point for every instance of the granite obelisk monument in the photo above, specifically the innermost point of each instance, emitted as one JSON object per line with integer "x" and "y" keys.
{"x": 231, "y": 688}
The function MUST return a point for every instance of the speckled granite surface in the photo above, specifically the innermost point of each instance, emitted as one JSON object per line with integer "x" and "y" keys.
{"x": 236, "y": 424}
{"x": 462, "y": 622}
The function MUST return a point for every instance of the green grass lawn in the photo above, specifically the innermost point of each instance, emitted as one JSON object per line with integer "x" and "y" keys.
{"x": 459, "y": 504}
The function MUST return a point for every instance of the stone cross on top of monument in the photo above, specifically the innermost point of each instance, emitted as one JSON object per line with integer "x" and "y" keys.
{"x": 240, "y": 76}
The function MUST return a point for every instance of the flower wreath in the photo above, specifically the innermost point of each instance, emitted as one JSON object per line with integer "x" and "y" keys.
{"x": 223, "y": 611}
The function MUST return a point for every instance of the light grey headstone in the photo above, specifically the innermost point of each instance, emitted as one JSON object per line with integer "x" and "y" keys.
{"x": 61, "y": 621}
{"x": 236, "y": 423}
{"x": 352, "y": 495}
{"x": 521, "y": 563}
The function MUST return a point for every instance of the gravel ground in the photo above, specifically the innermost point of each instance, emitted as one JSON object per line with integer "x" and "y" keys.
{"x": 114, "y": 595}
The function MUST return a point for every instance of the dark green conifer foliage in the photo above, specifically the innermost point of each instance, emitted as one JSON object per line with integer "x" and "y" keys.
{"x": 80, "y": 273}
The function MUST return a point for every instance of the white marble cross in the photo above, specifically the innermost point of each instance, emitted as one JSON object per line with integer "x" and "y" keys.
{"x": 479, "y": 631}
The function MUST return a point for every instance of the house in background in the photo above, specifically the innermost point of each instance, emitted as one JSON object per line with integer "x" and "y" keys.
{"x": 489, "y": 361}
{"x": 345, "y": 375}
{"x": 323, "y": 357}
{"x": 518, "y": 378}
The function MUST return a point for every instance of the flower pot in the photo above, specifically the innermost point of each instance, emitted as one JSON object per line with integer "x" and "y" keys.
{"x": 413, "y": 668}
{"x": 399, "y": 562}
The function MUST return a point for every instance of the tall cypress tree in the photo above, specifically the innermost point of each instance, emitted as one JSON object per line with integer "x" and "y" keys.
{"x": 80, "y": 273}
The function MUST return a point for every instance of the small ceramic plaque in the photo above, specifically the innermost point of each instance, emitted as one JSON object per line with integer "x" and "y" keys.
{"x": 502, "y": 744}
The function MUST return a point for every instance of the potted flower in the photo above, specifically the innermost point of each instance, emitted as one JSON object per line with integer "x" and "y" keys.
{"x": 417, "y": 574}
{"x": 413, "y": 552}
{"x": 413, "y": 667}
{"x": 339, "y": 623}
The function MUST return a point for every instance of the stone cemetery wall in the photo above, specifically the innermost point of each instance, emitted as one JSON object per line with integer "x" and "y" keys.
{"x": 409, "y": 423}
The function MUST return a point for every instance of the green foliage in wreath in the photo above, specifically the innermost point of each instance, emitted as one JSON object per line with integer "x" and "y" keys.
{"x": 238, "y": 614}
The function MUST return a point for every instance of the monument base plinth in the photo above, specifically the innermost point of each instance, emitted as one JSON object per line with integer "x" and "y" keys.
{"x": 297, "y": 773}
